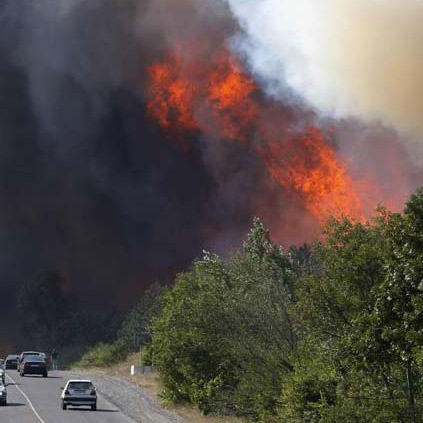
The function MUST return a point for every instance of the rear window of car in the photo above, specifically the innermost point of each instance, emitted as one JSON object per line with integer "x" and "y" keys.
{"x": 34, "y": 358}
{"x": 80, "y": 385}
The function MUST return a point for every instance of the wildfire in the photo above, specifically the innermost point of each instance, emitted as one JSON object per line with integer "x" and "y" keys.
{"x": 216, "y": 96}
{"x": 173, "y": 95}
{"x": 307, "y": 168}
{"x": 230, "y": 95}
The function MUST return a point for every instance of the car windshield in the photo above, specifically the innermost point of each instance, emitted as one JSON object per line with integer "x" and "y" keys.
{"x": 80, "y": 385}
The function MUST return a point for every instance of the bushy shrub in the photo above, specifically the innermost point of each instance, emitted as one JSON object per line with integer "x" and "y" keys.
{"x": 147, "y": 355}
{"x": 306, "y": 392}
{"x": 103, "y": 355}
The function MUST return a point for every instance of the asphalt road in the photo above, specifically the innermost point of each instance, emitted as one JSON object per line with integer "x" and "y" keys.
{"x": 33, "y": 399}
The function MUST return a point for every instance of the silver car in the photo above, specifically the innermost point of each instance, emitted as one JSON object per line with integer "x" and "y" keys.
{"x": 79, "y": 393}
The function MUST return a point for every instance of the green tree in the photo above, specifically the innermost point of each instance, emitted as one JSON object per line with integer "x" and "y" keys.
{"x": 136, "y": 329}
{"x": 337, "y": 300}
{"x": 225, "y": 335}
{"x": 398, "y": 315}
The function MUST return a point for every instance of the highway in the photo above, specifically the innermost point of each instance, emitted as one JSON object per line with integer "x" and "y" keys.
{"x": 33, "y": 399}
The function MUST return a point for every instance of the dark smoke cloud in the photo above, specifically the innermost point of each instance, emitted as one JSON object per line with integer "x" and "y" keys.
{"x": 88, "y": 185}
{"x": 91, "y": 187}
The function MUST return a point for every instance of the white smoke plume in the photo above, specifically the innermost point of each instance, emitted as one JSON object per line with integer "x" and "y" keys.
{"x": 347, "y": 58}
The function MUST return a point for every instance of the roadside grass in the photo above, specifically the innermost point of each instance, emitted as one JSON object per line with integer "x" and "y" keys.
{"x": 150, "y": 383}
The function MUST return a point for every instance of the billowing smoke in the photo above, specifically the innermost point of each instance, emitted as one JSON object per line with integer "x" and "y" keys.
{"x": 133, "y": 136}
{"x": 89, "y": 185}
{"x": 360, "y": 58}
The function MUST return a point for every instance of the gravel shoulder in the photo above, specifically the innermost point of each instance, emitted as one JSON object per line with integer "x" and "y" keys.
{"x": 131, "y": 400}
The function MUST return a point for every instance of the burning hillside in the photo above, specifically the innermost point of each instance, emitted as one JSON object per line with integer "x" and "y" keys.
{"x": 218, "y": 99}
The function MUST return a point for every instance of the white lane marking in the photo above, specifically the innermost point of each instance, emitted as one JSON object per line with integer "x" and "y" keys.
{"x": 27, "y": 399}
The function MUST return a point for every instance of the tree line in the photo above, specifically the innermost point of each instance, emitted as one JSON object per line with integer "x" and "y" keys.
{"x": 324, "y": 333}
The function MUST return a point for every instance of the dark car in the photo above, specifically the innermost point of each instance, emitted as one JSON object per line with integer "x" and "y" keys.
{"x": 33, "y": 365}
{"x": 27, "y": 353}
{"x": 3, "y": 394}
{"x": 11, "y": 362}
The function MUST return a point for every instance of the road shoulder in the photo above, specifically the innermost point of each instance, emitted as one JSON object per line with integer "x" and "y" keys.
{"x": 130, "y": 399}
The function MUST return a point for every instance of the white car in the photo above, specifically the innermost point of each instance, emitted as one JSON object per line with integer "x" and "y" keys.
{"x": 2, "y": 376}
{"x": 79, "y": 393}
{"x": 3, "y": 394}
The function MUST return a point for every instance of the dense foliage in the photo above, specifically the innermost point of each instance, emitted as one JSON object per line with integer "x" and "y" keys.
{"x": 226, "y": 334}
{"x": 323, "y": 334}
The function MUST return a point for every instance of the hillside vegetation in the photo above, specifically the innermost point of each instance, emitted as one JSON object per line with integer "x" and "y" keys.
{"x": 331, "y": 332}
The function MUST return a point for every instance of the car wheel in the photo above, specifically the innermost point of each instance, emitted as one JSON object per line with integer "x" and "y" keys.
{"x": 64, "y": 406}
{"x": 94, "y": 407}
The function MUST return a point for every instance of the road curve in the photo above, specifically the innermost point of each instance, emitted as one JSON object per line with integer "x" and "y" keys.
{"x": 33, "y": 399}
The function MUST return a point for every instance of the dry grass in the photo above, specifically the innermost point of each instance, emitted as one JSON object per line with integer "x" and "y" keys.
{"x": 150, "y": 383}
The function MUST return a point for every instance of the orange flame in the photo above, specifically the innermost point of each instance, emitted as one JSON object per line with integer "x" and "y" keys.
{"x": 213, "y": 94}
{"x": 220, "y": 91}
{"x": 173, "y": 95}
{"x": 230, "y": 95}
{"x": 308, "y": 168}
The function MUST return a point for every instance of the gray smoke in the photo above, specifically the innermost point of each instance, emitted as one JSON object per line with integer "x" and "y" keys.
{"x": 89, "y": 186}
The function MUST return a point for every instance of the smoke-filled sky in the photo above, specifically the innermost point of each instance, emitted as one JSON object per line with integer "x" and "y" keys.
{"x": 361, "y": 58}
{"x": 98, "y": 183}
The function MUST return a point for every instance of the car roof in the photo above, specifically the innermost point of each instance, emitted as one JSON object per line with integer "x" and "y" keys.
{"x": 79, "y": 380}
{"x": 12, "y": 356}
